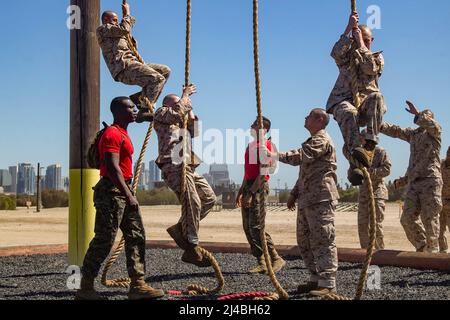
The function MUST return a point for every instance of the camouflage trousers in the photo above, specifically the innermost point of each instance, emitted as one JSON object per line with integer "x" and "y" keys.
{"x": 251, "y": 218}
{"x": 114, "y": 213}
{"x": 150, "y": 77}
{"x": 420, "y": 217}
{"x": 316, "y": 235}
{"x": 444, "y": 221}
{"x": 364, "y": 219}
{"x": 370, "y": 115}
{"x": 200, "y": 197}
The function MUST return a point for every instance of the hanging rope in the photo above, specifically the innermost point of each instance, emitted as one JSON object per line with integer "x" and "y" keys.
{"x": 354, "y": 65}
{"x": 184, "y": 199}
{"x": 125, "y": 282}
{"x": 372, "y": 212}
{"x": 281, "y": 292}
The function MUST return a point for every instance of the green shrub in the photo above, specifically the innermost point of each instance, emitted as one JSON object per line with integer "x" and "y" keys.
{"x": 155, "y": 197}
{"x": 54, "y": 199}
{"x": 7, "y": 203}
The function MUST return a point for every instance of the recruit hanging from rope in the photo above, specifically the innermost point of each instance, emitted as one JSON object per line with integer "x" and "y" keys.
{"x": 372, "y": 213}
{"x": 186, "y": 147}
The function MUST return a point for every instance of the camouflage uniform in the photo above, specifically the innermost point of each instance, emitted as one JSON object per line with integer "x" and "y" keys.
{"x": 200, "y": 196}
{"x": 124, "y": 65}
{"x": 253, "y": 215}
{"x": 340, "y": 102}
{"x": 381, "y": 168}
{"x": 445, "y": 213}
{"x": 317, "y": 201}
{"x": 423, "y": 195}
{"x": 114, "y": 213}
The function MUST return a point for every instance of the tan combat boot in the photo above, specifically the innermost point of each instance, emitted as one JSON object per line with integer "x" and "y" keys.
{"x": 278, "y": 262}
{"x": 321, "y": 292}
{"x": 261, "y": 267}
{"x": 87, "y": 291}
{"x": 144, "y": 115}
{"x": 139, "y": 290}
{"x": 193, "y": 256}
{"x": 176, "y": 234}
{"x": 308, "y": 287}
{"x": 362, "y": 156}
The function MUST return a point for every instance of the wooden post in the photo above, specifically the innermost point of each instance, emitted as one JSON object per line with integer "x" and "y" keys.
{"x": 84, "y": 123}
{"x": 38, "y": 188}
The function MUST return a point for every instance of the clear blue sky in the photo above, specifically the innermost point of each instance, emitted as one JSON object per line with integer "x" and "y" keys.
{"x": 297, "y": 72}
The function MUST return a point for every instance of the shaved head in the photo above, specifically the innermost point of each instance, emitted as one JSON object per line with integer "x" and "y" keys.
{"x": 119, "y": 104}
{"x": 170, "y": 100}
{"x": 323, "y": 115}
{"x": 108, "y": 15}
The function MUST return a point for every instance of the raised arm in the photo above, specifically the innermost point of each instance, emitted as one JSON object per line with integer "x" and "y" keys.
{"x": 342, "y": 47}
{"x": 176, "y": 113}
{"x": 123, "y": 29}
{"x": 397, "y": 132}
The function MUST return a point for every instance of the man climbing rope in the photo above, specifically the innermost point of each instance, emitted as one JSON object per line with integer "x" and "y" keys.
{"x": 125, "y": 66}
{"x": 423, "y": 203}
{"x": 358, "y": 67}
{"x": 444, "y": 220}
{"x": 317, "y": 202}
{"x": 252, "y": 198}
{"x": 380, "y": 168}
{"x": 168, "y": 121}
{"x": 117, "y": 207}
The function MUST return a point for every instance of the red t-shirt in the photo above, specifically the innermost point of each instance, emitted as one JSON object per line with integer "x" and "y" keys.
{"x": 252, "y": 162}
{"x": 116, "y": 140}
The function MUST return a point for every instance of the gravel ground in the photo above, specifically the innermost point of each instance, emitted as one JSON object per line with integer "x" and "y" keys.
{"x": 43, "y": 278}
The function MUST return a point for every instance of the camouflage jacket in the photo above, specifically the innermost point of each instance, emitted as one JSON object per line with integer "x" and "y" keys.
{"x": 317, "y": 177}
{"x": 380, "y": 169}
{"x": 445, "y": 169}
{"x": 113, "y": 40}
{"x": 168, "y": 123}
{"x": 370, "y": 68}
{"x": 425, "y": 142}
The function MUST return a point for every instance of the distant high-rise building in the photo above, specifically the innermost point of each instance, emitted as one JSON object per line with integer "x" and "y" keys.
{"x": 66, "y": 184}
{"x": 13, "y": 187}
{"x": 220, "y": 175}
{"x": 53, "y": 177}
{"x": 26, "y": 179}
{"x": 5, "y": 179}
{"x": 141, "y": 182}
{"x": 154, "y": 175}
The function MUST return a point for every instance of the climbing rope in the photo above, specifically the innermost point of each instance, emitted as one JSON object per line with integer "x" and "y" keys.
{"x": 184, "y": 199}
{"x": 125, "y": 282}
{"x": 372, "y": 213}
{"x": 354, "y": 65}
{"x": 281, "y": 292}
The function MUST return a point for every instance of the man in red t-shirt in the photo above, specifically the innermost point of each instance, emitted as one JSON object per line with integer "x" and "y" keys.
{"x": 252, "y": 199}
{"x": 117, "y": 207}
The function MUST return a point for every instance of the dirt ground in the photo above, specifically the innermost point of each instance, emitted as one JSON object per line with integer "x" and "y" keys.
{"x": 25, "y": 227}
